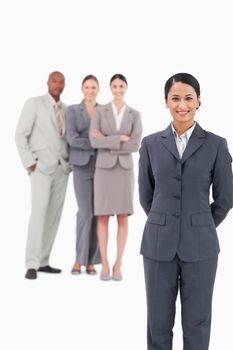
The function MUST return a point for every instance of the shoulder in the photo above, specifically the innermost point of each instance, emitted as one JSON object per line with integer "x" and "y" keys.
{"x": 214, "y": 139}
{"x": 74, "y": 110}
{"x": 210, "y": 135}
{"x": 32, "y": 102}
{"x": 133, "y": 111}
{"x": 101, "y": 110}
{"x": 151, "y": 138}
{"x": 34, "y": 99}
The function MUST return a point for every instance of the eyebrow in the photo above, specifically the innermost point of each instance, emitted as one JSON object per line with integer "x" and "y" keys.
{"x": 176, "y": 95}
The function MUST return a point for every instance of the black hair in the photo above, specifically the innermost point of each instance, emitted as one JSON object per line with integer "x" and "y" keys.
{"x": 90, "y": 77}
{"x": 185, "y": 78}
{"x": 118, "y": 76}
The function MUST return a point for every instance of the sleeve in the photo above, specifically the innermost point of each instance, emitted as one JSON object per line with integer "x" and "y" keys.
{"x": 72, "y": 133}
{"x": 145, "y": 179}
{"x": 23, "y": 131}
{"x": 222, "y": 187}
{"x": 133, "y": 144}
{"x": 111, "y": 142}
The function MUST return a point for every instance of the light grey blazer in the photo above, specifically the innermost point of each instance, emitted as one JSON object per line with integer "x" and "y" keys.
{"x": 37, "y": 138}
{"x": 110, "y": 148}
{"x": 174, "y": 193}
{"x": 77, "y": 132}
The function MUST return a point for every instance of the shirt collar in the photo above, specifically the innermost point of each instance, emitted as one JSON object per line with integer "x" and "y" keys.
{"x": 186, "y": 134}
{"x": 54, "y": 103}
{"x": 115, "y": 109}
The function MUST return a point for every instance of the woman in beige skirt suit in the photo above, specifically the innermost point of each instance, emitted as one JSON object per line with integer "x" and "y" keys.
{"x": 115, "y": 131}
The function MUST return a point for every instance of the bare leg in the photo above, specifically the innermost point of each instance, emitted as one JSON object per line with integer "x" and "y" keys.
{"x": 122, "y": 231}
{"x": 102, "y": 233}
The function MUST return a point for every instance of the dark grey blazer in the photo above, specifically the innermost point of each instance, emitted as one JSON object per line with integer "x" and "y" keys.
{"x": 174, "y": 194}
{"x": 77, "y": 133}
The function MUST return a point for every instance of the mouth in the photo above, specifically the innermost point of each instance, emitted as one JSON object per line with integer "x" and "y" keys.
{"x": 182, "y": 113}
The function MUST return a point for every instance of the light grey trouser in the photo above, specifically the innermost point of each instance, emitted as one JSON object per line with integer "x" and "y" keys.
{"x": 195, "y": 280}
{"x": 47, "y": 198}
{"x": 87, "y": 251}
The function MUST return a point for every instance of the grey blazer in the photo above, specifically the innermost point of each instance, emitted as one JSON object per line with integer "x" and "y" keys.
{"x": 110, "y": 148}
{"x": 37, "y": 138}
{"x": 174, "y": 194}
{"x": 77, "y": 132}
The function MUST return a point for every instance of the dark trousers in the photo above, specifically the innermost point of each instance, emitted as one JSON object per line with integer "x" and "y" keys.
{"x": 195, "y": 280}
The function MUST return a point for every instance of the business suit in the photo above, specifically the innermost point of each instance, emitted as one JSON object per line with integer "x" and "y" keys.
{"x": 179, "y": 239}
{"x": 83, "y": 157}
{"x": 114, "y": 164}
{"x": 39, "y": 142}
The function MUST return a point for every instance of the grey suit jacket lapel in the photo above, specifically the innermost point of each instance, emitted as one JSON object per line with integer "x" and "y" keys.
{"x": 125, "y": 119}
{"x": 85, "y": 120}
{"x": 49, "y": 107}
{"x": 195, "y": 142}
{"x": 110, "y": 118}
{"x": 168, "y": 141}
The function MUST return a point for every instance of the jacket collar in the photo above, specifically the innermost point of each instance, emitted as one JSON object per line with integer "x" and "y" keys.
{"x": 195, "y": 142}
{"x": 111, "y": 118}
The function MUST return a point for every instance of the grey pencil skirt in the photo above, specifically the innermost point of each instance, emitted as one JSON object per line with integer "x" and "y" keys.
{"x": 113, "y": 191}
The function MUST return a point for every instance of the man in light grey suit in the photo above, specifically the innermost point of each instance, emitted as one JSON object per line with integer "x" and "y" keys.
{"x": 44, "y": 153}
{"x": 177, "y": 168}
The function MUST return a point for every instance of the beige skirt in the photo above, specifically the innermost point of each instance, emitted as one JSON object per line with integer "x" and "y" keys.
{"x": 113, "y": 191}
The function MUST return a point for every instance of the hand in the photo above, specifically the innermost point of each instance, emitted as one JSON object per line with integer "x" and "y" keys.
{"x": 96, "y": 133}
{"x": 124, "y": 138}
{"x": 33, "y": 167}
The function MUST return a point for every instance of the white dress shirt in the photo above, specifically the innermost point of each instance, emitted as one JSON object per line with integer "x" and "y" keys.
{"x": 182, "y": 140}
{"x": 118, "y": 116}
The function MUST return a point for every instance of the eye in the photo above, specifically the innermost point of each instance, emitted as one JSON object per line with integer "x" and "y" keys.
{"x": 189, "y": 98}
{"x": 174, "y": 98}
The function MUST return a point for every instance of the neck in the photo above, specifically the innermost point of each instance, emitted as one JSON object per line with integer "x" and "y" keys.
{"x": 181, "y": 128}
{"x": 90, "y": 103}
{"x": 118, "y": 103}
{"x": 55, "y": 97}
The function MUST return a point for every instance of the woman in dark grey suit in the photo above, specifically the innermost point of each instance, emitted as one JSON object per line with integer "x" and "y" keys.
{"x": 178, "y": 166}
{"x": 83, "y": 157}
{"x": 116, "y": 132}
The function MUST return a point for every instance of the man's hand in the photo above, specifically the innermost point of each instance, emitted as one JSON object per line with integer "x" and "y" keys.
{"x": 33, "y": 167}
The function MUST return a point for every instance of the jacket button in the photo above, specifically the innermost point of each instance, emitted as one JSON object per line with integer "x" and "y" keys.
{"x": 176, "y": 215}
{"x": 177, "y": 178}
{"x": 177, "y": 196}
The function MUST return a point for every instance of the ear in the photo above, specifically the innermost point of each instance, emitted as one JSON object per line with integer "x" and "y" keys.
{"x": 199, "y": 103}
{"x": 166, "y": 103}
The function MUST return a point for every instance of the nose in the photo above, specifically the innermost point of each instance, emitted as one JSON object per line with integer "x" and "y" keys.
{"x": 182, "y": 104}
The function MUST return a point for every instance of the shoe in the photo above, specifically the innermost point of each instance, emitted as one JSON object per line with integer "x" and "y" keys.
{"x": 49, "y": 269}
{"x": 75, "y": 271}
{"x": 91, "y": 271}
{"x": 31, "y": 274}
{"x": 105, "y": 277}
{"x": 117, "y": 277}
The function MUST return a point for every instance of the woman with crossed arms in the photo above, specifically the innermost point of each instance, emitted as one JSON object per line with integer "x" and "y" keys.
{"x": 116, "y": 132}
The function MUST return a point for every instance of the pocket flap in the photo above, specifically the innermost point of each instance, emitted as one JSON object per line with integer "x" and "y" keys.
{"x": 157, "y": 218}
{"x": 200, "y": 219}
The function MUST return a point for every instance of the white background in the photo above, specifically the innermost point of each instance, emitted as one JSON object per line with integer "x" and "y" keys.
{"x": 147, "y": 41}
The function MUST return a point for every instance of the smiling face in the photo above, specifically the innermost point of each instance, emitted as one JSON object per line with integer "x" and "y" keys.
{"x": 118, "y": 88}
{"x": 90, "y": 89}
{"x": 182, "y": 102}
